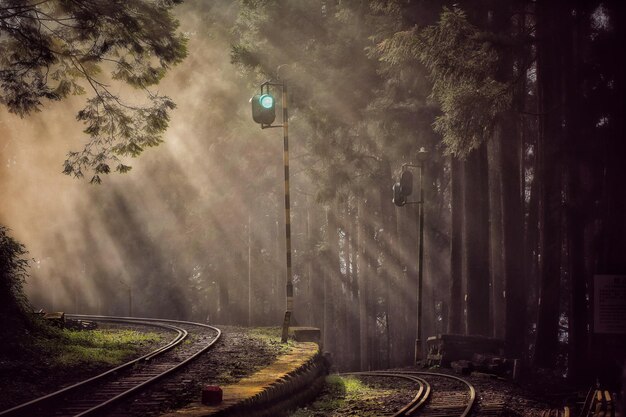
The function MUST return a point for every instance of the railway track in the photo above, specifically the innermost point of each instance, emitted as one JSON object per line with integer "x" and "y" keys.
{"x": 438, "y": 395}
{"x": 94, "y": 395}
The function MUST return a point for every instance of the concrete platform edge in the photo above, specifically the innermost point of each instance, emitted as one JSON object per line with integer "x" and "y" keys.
{"x": 294, "y": 387}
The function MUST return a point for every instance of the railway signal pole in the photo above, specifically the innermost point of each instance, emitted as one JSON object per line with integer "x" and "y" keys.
{"x": 263, "y": 112}
{"x": 401, "y": 190}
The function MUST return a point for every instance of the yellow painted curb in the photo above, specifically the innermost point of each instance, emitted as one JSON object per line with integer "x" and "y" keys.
{"x": 300, "y": 353}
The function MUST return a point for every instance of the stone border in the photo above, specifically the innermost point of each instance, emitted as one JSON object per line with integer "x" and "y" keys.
{"x": 292, "y": 380}
{"x": 296, "y": 388}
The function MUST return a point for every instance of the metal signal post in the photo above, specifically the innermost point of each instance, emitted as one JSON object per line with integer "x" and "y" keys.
{"x": 401, "y": 191}
{"x": 285, "y": 125}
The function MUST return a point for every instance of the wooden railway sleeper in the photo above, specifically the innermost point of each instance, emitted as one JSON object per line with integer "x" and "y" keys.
{"x": 599, "y": 403}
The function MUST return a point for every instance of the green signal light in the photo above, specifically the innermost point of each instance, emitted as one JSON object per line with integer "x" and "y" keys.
{"x": 266, "y": 101}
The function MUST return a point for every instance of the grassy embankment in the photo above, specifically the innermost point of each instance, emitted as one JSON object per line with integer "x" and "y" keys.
{"x": 50, "y": 358}
{"x": 93, "y": 348}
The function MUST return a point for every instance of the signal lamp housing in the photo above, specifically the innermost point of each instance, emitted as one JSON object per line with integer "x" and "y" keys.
{"x": 263, "y": 108}
{"x": 406, "y": 183}
{"x": 399, "y": 199}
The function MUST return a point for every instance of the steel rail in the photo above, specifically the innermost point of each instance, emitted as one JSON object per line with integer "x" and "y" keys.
{"x": 420, "y": 398}
{"x": 57, "y": 394}
{"x": 142, "y": 385}
{"x": 471, "y": 389}
{"x": 181, "y": 335}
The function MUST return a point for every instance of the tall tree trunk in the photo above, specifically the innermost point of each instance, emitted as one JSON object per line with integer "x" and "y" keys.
{"x": 411, "y": 217}
{"x": 352, "y": 311}
{"x": 476, "y": 242}
{"x": 330, "y": 342}
{"x": 506, "y": 195}
{"x": 456, "y": 318}
{"x": 309, "y": 247}
{"x": 375, "y": 291}
{"x": 223, "y": 303}
{"x": 613, "y": 223}
{"x": 317, "y": 271}
{"x": 612, "y": 259}
{"x": 363, "y": 280}
{"x": 516, "y": 285}
{"x": 578, "y": 202}
{"x": 550, "y": 16}
{"x": 531, "y": 231}
{"x": 339, "y": 280}
{"x": 496, "y": 244}
{"x": 513, "y": 228}
{"x": 392, "y": 272}
{"x": 407, "y": 283}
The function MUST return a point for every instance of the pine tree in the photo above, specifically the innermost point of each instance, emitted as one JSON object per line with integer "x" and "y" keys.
{"x": 55, "y": 49}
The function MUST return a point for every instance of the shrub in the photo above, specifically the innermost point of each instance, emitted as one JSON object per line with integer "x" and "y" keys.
{"x": 14, "y": 308}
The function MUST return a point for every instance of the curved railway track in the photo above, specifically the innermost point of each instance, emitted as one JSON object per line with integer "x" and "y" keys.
{"x": 438, "y": 395}
{"x": 92, "y": 396}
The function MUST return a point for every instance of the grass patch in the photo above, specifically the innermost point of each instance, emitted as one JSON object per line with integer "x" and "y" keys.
{"x": 271, "y": 336}
{"x": 47, "y": 358}
{"x": 70, "y": 348}
{"x": 344, "y": 396}
{"x": 267, "y": 333}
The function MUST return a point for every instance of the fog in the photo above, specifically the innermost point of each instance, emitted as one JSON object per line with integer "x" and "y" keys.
{"x": 196, "y": 229}
{"x": 142, "y": 227}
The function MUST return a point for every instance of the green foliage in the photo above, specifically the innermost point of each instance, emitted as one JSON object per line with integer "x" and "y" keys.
{"x": 13, "y": 273}
{"x": 272, "y": 337}
{"x": 462, "y": 62}
{"x": 50, "y": 50}
{"x": 69, "y": 348}
{"x": 267, "y": 333}
{"x": 117, "y": 129}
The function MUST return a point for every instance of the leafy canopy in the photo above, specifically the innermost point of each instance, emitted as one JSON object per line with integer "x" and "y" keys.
{"x": 50, "y": 49}
{"x": 462, "y": 64}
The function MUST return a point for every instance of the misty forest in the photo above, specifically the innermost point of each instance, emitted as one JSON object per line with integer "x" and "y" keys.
{"x": 508, "y": 115}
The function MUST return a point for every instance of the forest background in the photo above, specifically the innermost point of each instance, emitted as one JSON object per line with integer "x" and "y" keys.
{"x": 519, "y": 104}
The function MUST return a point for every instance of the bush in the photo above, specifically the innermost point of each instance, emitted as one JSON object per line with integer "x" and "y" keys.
{"x": 14, "y": 308}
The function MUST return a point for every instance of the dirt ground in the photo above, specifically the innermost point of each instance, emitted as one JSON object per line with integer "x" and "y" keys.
{"x": 239, "y": 353}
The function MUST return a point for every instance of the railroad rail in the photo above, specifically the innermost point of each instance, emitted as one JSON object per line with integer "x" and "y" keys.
{"x": 93, "y": 395}
{"x": 433, "y": 398}
{"x": 422, "y": 395}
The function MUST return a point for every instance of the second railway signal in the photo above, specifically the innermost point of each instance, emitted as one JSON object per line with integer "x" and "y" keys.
{"x": 403, "y": 189}
{"x": 399, "y": 199}
{"x": 406, "y": 183}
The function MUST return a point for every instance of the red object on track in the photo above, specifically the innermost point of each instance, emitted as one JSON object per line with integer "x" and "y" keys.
{"x": 211, "y": 395}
